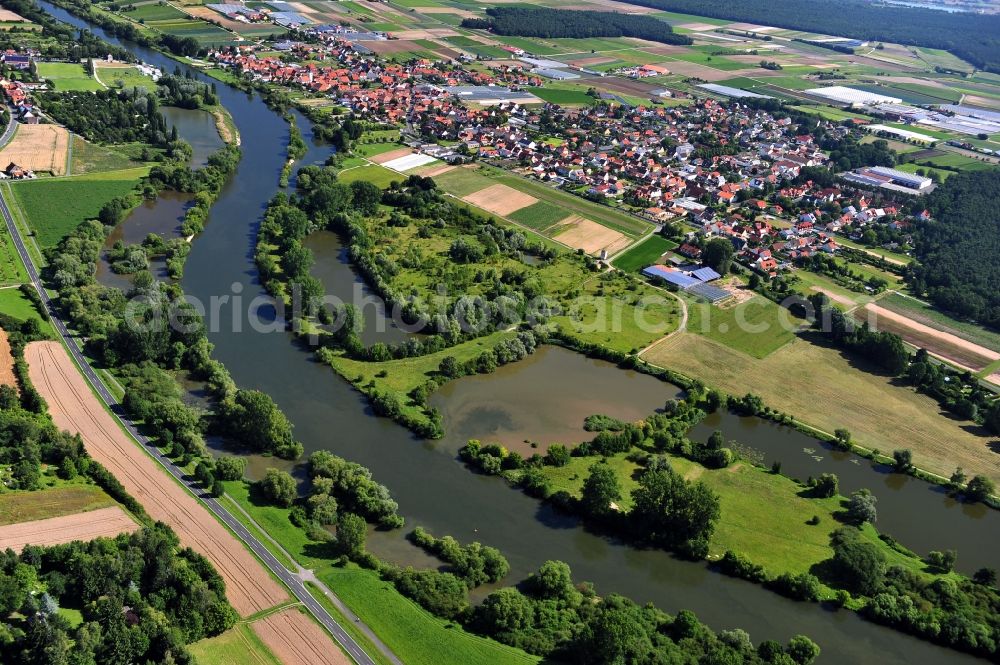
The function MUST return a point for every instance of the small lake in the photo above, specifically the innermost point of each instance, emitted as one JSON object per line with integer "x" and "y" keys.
{"x": 198, "y": 128}
{"x": 544, "y": 399}
{"x": 332, "y": 268}
{"x": 163, "y": 217}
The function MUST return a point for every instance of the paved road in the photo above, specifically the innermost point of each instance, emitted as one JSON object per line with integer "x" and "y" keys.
{"x": 8, "y": 132}
{"x": 291, "y": 580}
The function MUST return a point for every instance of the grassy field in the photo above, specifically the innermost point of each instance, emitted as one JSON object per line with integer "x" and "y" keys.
{"x": 910, "y": 167}
{"x": 64, "y": 499}
{"x": 757, "y": 327}
{"x": 154, "y": 11}
{"x": 645, "y": 253}
{"x": 56, "y": 206}
{"x": 237, "y": 645}
{"x": 206, "y": 33}
{"x": 68, "y": 76}
{"x": 117, "y": 76}
{"x": 953, "y": 160}
{"x": 810, "y": 282}
{"x": 563, "y": 96}
{"x": 925, "y": 313}
{"x": 611, "y": 314}
{"x": 603, "y": 215}
{"x": 825, "y": 389}
{"x": 91, "y": 158}
{"x": 373, "y": 149}
{"x": 921, "y": 129}
{"x": 539, "y": 216}
{"x": 373, "y": 173}
{"x": 11, "y": 268}
{"x": 713, "y": 61}
{"x": 828, "y": 113}
{"x": 416, "y": 636}
{"x": 13, "y": 303}
{"x": 395, "y": 619}
{"x": 763, "y": 515}
{"x": 477, "y": 48}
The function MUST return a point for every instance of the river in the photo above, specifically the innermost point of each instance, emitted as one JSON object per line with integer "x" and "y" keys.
{"x": 433, "y": 489}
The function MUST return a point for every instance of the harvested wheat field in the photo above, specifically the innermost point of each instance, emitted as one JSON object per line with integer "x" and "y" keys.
{"x": 102, "y": 523}
{"x": 75, "y": 408}
{"x": 389, "y": 47}
{"x": 431, "y": 171}
{"x": 214, "y": 16}
{"x": 7, "y": 376}
{"x": 819, "y": 386}
{"x": 994, "y": 379}
{"x": 39, "y": 148}
{"x": 7, "y": 15}
{"x": 500, "y": 199}
{"x": 952, "y": 348}
{"x": 391, "y": 155}
{"x": 427, "y": 33}
{"x": 298, "y": 640}
{"x": 591, "y": 237}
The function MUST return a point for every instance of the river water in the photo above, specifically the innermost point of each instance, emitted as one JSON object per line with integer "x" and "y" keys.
{"x": 433, "y": 489}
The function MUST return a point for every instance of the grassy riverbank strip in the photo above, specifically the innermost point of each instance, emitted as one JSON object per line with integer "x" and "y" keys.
{"x": 411, "y": 632}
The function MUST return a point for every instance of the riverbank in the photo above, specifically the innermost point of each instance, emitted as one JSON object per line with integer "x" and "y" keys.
{"x": 329, "y": 416}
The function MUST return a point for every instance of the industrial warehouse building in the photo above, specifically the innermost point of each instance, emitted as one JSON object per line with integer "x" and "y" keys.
{"x": 881, "y": 176}
{"x": 851, "y": 96}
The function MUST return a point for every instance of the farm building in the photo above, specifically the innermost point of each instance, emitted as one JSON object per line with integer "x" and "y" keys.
{"x": 735, "y": 93}
{"x": 557, "y": 74}
{"x": 850, "y": 96}
{"x": 881, "y": 176}
{"x": 693, "y": 281}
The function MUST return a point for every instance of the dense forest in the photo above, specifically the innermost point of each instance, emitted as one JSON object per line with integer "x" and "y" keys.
{"x": 972, "y": 37}
{"x": 958, "y": 266}
{"x": 553, "y": 23}
{"x": 140, "y": 596}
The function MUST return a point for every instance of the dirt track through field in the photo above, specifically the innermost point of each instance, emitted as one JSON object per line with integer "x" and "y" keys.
{"x": 105, "y": 522}
{"x": 7, "y": 376}
{"x": 835, "y": 297}
{"x": 39, "y": 148}
{"x": 500, "y": 199}
{"x": 75, "y": 408}
{"x": 297, "y": 640}
{"x": 937, "y": 342}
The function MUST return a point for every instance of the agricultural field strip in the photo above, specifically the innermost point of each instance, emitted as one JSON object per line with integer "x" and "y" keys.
{"x": 95, "y": 385}
{"x": 486, "y": 212}
{"x": 76, "y": 409}
{"x": 103, "y": 522}
{"x": 942, "y": 344}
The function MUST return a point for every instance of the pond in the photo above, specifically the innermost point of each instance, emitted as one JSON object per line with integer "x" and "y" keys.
{"x": 198, "y": 128}
{"x": 543, "y": 400}
{"x": 163, "y": 217}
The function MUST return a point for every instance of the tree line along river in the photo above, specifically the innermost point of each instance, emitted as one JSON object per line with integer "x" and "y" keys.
{"x": 436, "y": 492}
